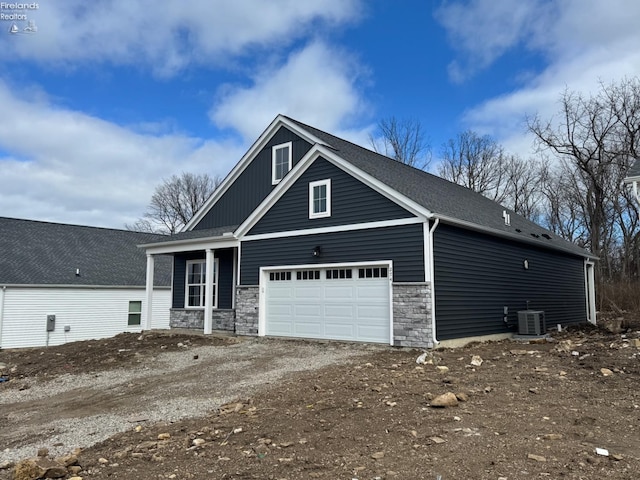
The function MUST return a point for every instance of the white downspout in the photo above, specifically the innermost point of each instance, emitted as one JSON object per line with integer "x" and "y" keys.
{"x": 432, "y": 280}
{"x": 636, "y": 192}
{"x": 2, "y": 293}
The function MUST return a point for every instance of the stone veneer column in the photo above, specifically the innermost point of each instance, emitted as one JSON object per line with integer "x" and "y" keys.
{"x": 412, "y": 315}
{"x": 247, "y": 309}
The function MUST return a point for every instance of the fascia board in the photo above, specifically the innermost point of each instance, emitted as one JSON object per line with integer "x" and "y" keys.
{"x": 190, "y": 245}
{"x": 512, "y": 236}
{"x": 246, "y": 159}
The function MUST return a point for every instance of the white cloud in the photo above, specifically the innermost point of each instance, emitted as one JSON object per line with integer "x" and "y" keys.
{"x": 583, "y": 42}
{"x": 167, "y": 36}
{"x": 317, "y": 85}
{"x": 71, "y": 167}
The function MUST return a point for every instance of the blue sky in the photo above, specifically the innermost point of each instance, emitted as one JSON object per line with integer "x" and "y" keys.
{"x": 109, "y": 97}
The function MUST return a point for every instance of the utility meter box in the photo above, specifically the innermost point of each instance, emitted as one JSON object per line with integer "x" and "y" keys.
{"x": 51, "y": 323}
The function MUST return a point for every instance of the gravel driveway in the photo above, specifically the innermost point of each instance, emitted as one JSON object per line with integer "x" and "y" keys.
{"x": 79, "y": 410}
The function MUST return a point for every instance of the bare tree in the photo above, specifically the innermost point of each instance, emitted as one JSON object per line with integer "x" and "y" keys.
{"x": 402, "y": 140}
{"x": 523, "y": 185}
{"x": 597, "y": 138}
{"x": 175, "y": 201}
{"x": 476, "y": 162}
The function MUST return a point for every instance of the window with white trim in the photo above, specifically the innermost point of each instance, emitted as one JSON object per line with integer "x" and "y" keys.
{"x": 196, "y": 284}
{"x": 280, "y": 161}
{"x": 135, "y": 313}
{"x": 320, "y": 199}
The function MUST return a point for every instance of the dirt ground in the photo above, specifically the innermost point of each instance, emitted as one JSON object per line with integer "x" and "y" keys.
{"x": 524, "y": 411}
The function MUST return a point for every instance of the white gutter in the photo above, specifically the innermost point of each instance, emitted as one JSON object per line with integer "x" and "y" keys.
{"x": 2, "y": 293}
{"x": 432, "y": 280}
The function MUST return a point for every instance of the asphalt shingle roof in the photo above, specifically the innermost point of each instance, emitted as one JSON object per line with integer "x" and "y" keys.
{"x": 43, "y": 253}
{"x": 440, "y": 196}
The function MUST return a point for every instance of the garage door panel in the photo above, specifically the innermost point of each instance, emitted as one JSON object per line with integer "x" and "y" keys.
{"x": 336, "y": 291}
{"x": 328, "y": 307}
{"x": 339, "y": 331}
{"x": 308, "y": 329}
{"x": 339, "y": 312}
{"x": 306, "y": 292}
{"x": 370, "y": 333}
{"x": 372, "y": 292}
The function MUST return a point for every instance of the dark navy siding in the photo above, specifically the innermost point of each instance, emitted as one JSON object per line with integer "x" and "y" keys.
{"x": 403, "y": 245}
{"x": 253, "y": 184}
{"x": 225, "y": 277}
{"x": 476, "y": 275}
{"x": 351, "y": 202}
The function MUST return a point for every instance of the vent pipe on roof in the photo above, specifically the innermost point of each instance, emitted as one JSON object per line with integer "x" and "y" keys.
{"x": 507, "y": 218}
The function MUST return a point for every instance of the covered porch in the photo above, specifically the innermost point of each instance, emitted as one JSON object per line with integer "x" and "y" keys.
{"x": 203, "y": 283}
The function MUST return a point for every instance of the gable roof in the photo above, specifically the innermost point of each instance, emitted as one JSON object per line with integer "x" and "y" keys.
{"x": 446, "y": 200}
{"x": 44, "y": 253}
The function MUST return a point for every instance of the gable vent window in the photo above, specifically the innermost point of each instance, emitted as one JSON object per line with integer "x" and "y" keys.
{"x": 375, "y": 272}
{"x": 320, "y": 199}
{"x": 280, "y": 161}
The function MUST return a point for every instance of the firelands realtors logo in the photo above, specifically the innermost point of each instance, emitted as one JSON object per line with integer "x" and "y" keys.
{"x": 17, "y": 15}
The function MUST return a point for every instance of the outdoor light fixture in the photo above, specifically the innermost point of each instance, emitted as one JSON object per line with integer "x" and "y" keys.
{"x": 526, "y": 264}
{"x": 317, "y": 251}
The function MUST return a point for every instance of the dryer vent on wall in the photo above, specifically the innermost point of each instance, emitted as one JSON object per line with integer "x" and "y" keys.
{"x": 531, "y": 322}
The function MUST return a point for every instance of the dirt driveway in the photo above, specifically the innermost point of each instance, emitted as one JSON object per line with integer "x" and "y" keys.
{"x": 79, "y": 394}
{"x": 177, "y": 407}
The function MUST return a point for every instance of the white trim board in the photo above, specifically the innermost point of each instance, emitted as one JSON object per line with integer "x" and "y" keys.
{"x": 337, "y": 228}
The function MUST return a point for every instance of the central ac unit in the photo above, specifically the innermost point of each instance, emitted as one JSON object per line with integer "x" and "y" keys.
{"x": 531, "y": 322}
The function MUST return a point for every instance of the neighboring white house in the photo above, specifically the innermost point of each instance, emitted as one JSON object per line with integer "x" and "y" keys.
{"x": 63, "y": 283}
{"x": 633, "y": 179}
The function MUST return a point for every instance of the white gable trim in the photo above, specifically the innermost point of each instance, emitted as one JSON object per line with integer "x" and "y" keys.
{"x": 334, "y": 229}
{"x": 248, "y": 157}
{"x": 297, "y": 171}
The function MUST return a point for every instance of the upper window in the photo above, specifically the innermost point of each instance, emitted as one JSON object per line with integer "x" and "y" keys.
{"x": 196, "y": 283}
{"x": 280, "y": 161}
{"x": 135, "y": 313}
{"x": 320, "y": 199}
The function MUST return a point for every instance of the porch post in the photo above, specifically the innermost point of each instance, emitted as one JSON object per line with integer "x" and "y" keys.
{"x": 208, "y": 299}
{"x": 149, "y": 293}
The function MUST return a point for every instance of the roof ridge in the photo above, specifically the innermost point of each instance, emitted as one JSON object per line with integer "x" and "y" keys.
{"x": 76, "y": 225}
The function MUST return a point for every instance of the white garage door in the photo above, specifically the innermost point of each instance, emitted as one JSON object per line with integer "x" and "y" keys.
{"x": 332, "y": 303}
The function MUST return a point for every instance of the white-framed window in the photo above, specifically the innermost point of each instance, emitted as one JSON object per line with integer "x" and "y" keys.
{"x": 196, "y": 281}
{"x": 320, "y": 199}
{"x": 135, "y": 313}
{"x": 280, "y": 161}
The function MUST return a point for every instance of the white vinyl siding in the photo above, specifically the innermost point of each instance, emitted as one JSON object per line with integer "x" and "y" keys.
{"x": 90, "y": 313}
{"x": 281, "y": 160}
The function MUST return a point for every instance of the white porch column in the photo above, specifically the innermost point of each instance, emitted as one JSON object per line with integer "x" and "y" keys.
{"x": 149, "y": 293}
{"x": 208, "y": 299}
